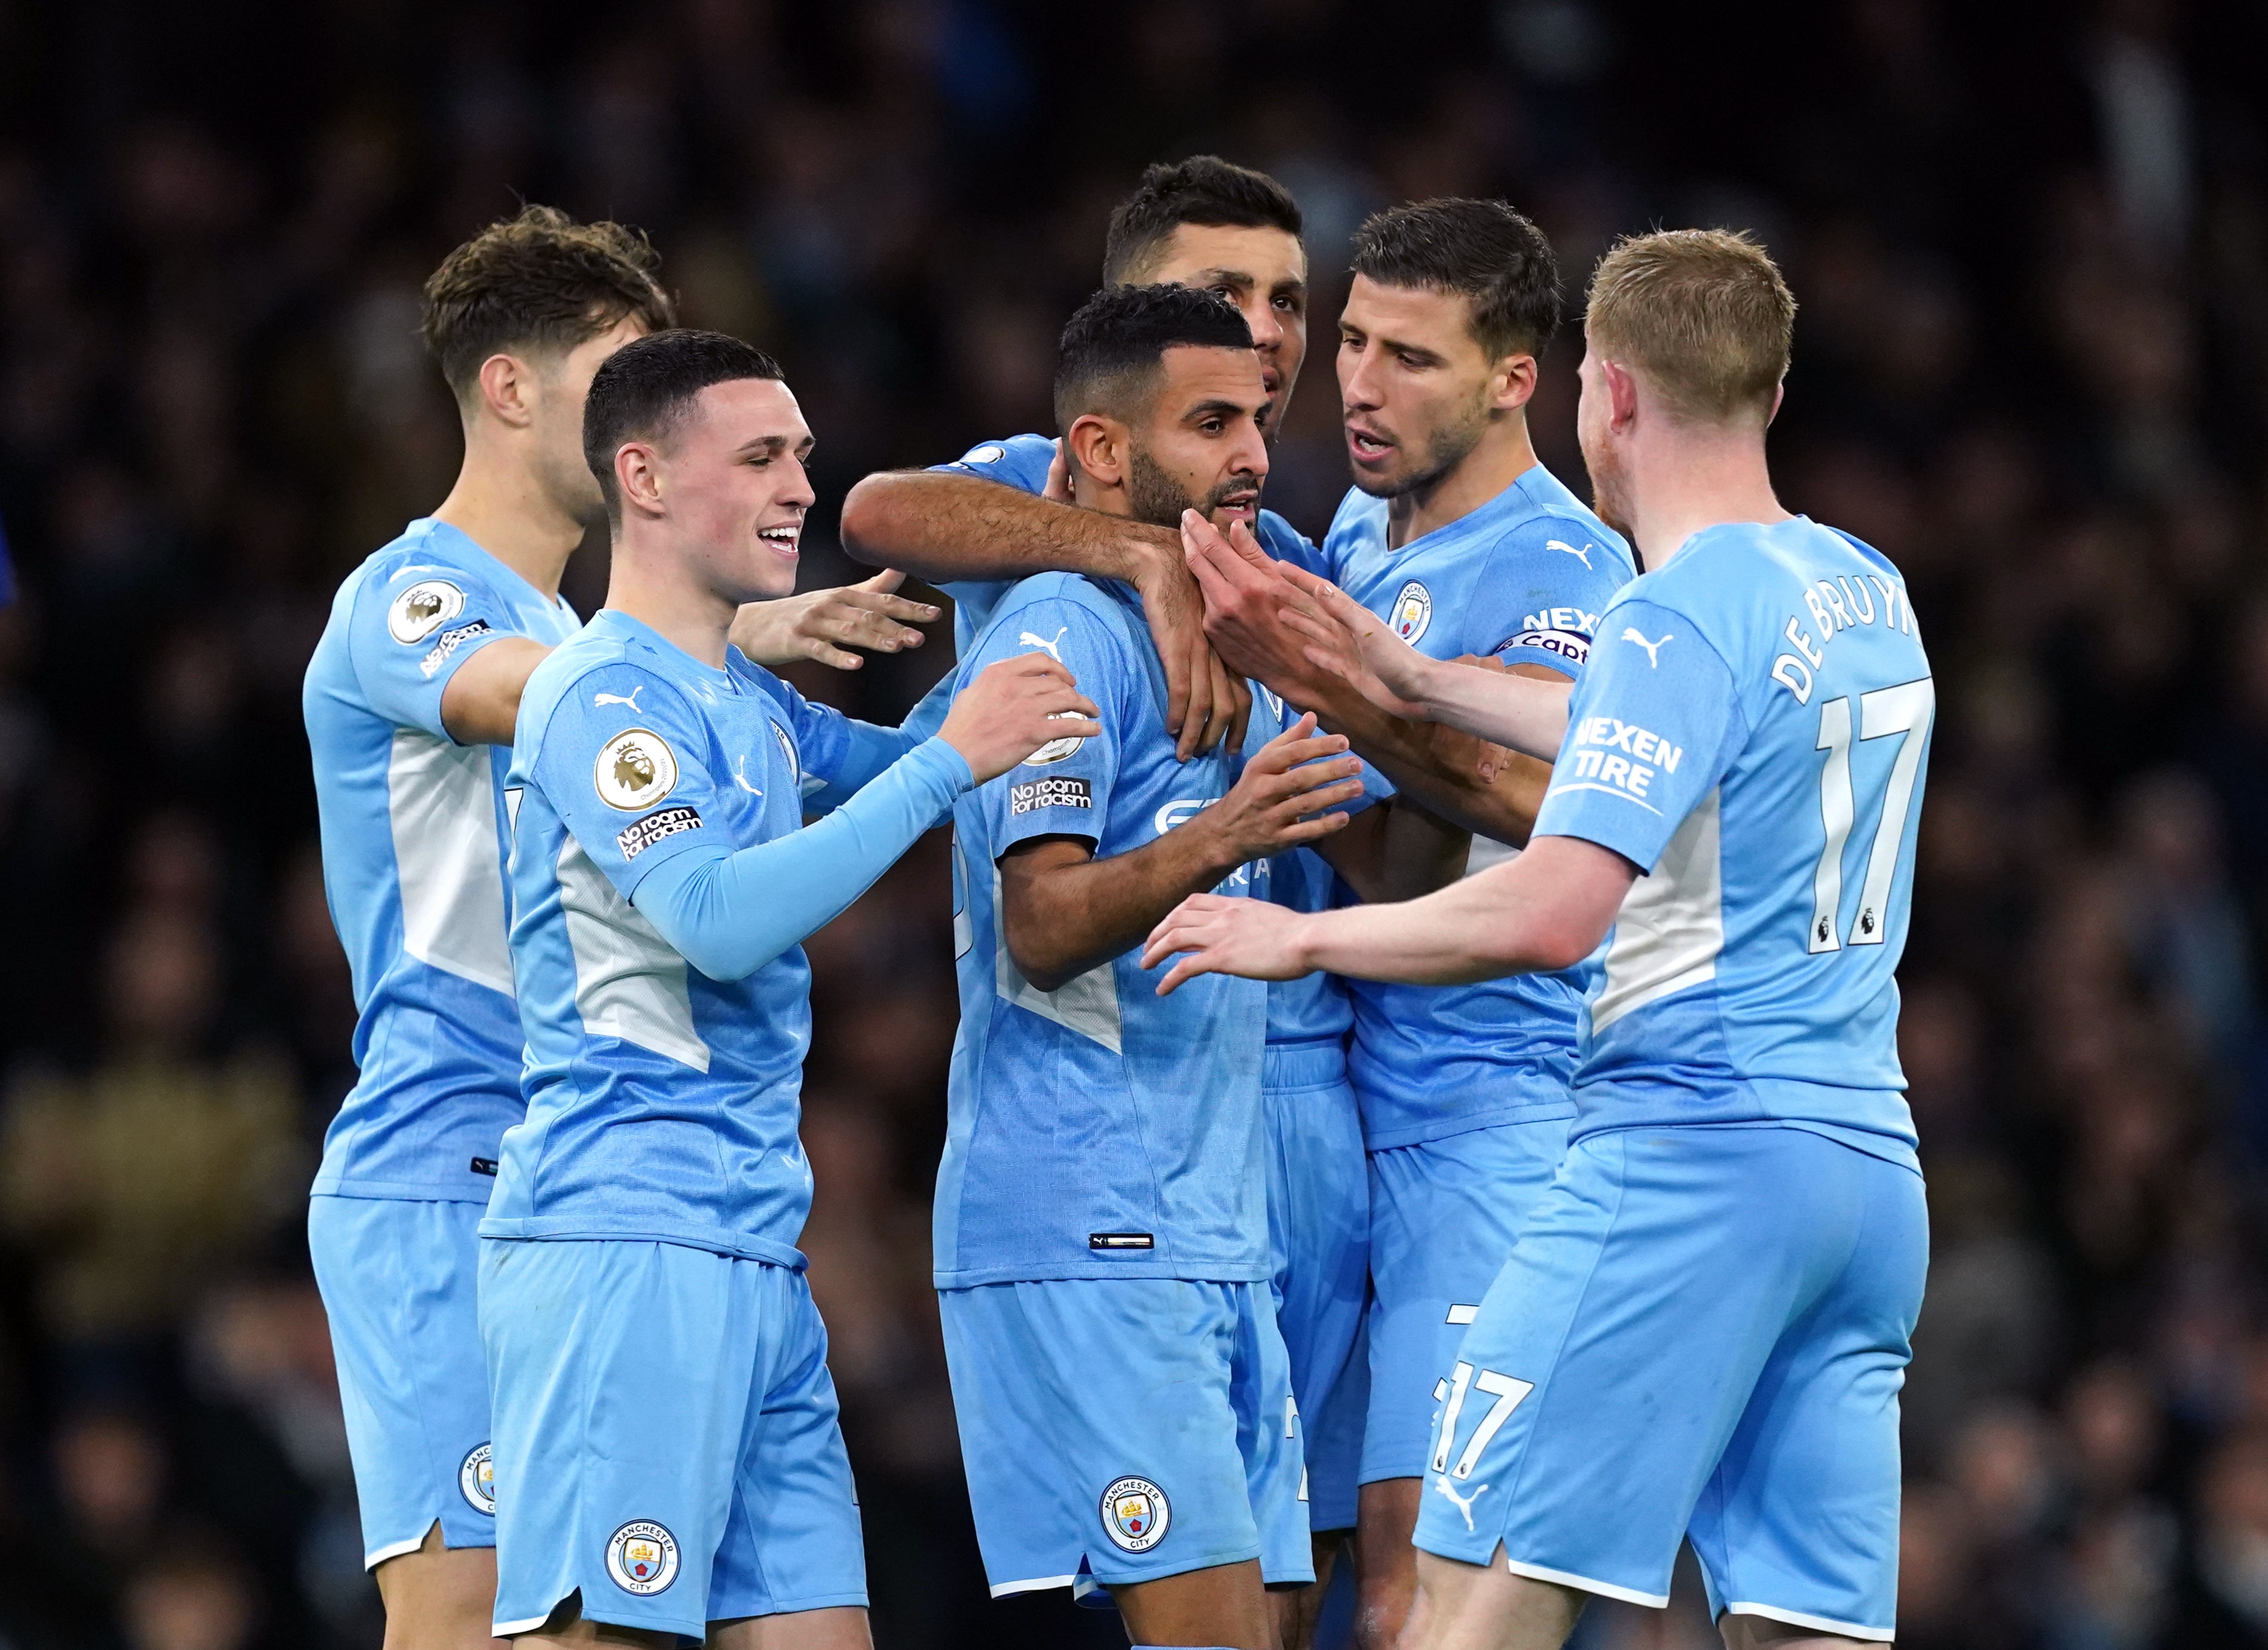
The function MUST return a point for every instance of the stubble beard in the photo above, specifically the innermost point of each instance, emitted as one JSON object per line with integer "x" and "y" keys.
{"x": 1446, "y": 449}
{"x": 1155, "y": 497}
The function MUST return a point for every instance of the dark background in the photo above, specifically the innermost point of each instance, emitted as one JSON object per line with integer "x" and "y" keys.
{"x": 2031, "y": 244}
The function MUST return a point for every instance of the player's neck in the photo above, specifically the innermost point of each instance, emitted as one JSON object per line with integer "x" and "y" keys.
{"x": 655, "y": 584}
{"x": 1503, "y": 455}
{"x": 1694, "y": 481}
{"x": 499, "y": 505}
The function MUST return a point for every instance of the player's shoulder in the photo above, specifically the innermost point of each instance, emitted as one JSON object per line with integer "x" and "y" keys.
{"x": 1052, "y": 592}
{"x": 776, "y": 689}
{"x": 602, "y": 665}
{"x": 1542, "y": 516}
{"x": 424, "y": 548}
{"x": 1018, "y": 461}
{"x": 1360, "y": 517}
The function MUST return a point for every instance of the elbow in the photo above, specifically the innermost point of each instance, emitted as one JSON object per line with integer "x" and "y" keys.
{"x": 865, "y": 520}
{"x": 1042, "y": 973}
{"x": 1559, "y": 945}
{"x": 1043, "y": 968}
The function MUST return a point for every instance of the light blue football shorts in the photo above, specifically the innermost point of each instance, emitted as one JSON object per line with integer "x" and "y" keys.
{"x": 1702, "y": 1332}
{"x": 1443, "y": 1215}
{"x": 1319, "y": 1246}
{"x": 1123, "y": 1430}
{"x": 666, "y": 1438}
{"x": 398, "y": 1279}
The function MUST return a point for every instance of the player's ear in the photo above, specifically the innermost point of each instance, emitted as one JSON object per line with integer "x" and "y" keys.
{"x": 1512, "y": 382}
{"x": 1101, "y": 447}
{"x": 1779, "y": 395}
{"x": 638, "y": 479}
{"x": 505, "y": 390}
{"x": 1621, "y": 393}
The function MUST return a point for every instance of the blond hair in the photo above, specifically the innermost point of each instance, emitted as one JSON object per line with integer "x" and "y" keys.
{"x": 1703, "y": 313}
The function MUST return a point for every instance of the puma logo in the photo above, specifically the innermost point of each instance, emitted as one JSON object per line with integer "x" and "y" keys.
{"x": 1053, "y": 650}
{"x": 1464, "y": 1503}
{"x": 1652, "y": 649}
{"x": 1582, "y": 555}
{"x": 616, "y": 699}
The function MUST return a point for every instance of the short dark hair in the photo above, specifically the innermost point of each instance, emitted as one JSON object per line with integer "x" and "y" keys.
{"x": 1203, "y": 189}
{"x": 1482, "y": 249}
{"x": 646, "y": 387}
{"x": 538, "y": 280}
{"x": 1114, "y": 349}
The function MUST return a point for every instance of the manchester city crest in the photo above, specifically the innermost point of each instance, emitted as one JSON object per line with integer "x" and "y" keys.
{"x": 477, "y": 1480}
{"x": 1135, "y": 1515}
{"x": 642, "y": 1556}
{"x": 1413, "y": 611}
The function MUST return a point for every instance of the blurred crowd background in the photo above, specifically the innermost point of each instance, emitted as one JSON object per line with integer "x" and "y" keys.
{"x": 2031, "y": 245}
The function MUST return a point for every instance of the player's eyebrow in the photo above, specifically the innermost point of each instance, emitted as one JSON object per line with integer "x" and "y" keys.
{"x": 774, "y": 445}
{"x": 1418, "y": 352}
{"x": 1236, "y": 278}
{"x": 1217, "y": 408}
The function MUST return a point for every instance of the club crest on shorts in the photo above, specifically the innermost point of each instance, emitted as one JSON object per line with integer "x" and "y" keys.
{"x": 642, "y": 1556}
{"x": 477, "y": 1480}
{"x": 423, "y": 608}
{"x": 1413, "y": 611}
{"x": 635, "y": 770}
{"x": 1135, "y": 1515}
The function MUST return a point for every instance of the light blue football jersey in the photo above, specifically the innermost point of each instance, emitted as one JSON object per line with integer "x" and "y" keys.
{"x": 1522, "y": 578}
{"x": 661, "y": 1103}
{"x": 414, "y": 841}
{"x": 1098, "y": 1129}
{"x": 1752, "y": 732}
{"x": 1314, "y": 1005}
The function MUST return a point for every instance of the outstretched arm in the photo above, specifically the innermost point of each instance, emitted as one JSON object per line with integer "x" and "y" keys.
{"x": 481, "y": 704}
{"x": 729, "y": 912}
{"x": 1524, "y": 710}
{"x": 953, "y": 529}
{"x": 1465, "y": 780}
{"x": 1545, "y": 911}
{"x": 821, "y": 623}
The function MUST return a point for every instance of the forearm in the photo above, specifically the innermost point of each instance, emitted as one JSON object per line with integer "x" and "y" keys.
{"x": 1441, "y": 767}
{"x": 1396, "y": 850}
{"x": 869, "y": 751}
{"x": 481, "y": 703}
{"x": 729, "y": 913}
{"x": 1523, "y": 713}
{"x": 948, "y": 529}
{"x": 1483, "y": 928}
{"x": 1063, "y": 920}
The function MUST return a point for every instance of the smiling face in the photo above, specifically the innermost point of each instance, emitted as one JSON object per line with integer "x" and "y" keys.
{"x": 1200, "y": 446}
{"x": 731, "y": 479}
{"x": 1263, "y": 272}
{"x": 1416, "y": 388}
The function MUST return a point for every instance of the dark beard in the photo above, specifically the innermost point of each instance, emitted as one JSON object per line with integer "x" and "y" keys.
{"x": 1158, "y": 499}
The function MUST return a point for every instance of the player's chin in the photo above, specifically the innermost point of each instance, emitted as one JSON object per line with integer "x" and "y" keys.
{"x": 771, "y": 574}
